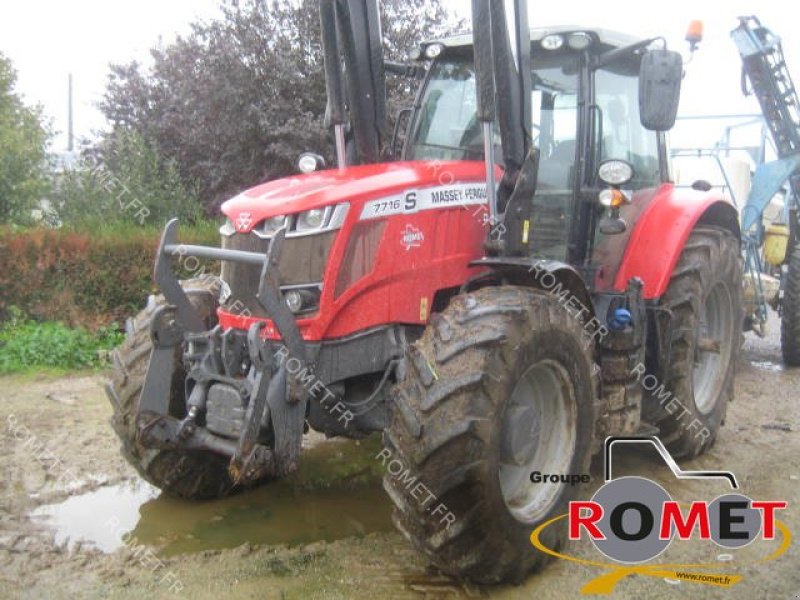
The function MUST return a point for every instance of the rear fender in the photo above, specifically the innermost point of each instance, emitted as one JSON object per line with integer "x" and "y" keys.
{"x": 661, "y": 232}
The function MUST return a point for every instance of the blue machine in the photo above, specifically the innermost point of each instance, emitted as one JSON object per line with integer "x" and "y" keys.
{"x": 764, "y": 66}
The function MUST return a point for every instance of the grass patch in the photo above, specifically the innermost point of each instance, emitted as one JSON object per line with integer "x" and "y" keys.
{"x": 27, "y": 346}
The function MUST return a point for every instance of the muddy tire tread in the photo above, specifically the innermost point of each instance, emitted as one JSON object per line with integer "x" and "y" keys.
{"x": 441, "y": 430}
{"x": 709, "y": 252}
{"x": 790, "y": 322}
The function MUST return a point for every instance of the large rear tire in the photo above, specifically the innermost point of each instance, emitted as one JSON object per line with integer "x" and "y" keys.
{"x": 790, "y": 321}
{"x": 501, "y": 384}
{"x": 192, "y": 475}
{"x": 704, "y": 298}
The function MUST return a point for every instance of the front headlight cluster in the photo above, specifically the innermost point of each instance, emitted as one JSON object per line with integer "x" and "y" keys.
{"x": 309, "y": 222}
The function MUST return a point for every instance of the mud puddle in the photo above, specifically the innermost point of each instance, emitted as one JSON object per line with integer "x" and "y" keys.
{"x": 86, "y": 518}
{"x": 336, "y": 494}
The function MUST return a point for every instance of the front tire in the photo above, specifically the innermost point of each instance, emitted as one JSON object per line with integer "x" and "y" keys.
{"x": 501, "y": 384}
{"x": 187, "y": 474}
{"x": 790, "y": 321}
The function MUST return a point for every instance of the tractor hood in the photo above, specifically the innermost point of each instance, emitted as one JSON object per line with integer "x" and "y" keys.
{"x": 355, "y": 185}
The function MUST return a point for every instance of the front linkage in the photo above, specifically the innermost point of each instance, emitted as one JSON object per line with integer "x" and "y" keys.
{"x": 271, "y": 395}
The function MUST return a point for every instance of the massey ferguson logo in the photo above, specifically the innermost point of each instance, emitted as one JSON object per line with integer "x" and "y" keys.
{"x": 412, "y": 237}
{"x": 244, "y": 221}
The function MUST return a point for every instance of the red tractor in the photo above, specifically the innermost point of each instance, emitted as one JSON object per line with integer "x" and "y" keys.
{"x": 522, "y": 281}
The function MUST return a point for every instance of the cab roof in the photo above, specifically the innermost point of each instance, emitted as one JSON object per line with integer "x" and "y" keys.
{"x": 608, "y": 37}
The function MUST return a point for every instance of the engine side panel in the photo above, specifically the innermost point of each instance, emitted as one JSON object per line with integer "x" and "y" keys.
{"x": 416, "y": 238}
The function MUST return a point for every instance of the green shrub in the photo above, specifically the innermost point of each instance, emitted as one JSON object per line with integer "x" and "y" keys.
{"x": 26, "y": 345}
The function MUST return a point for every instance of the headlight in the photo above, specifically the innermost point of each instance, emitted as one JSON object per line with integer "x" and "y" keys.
{"x": 579, "y": 40}
{"x": 274, "y": 224}
{"x": 303, "y": 299}
{"x": 615, "y": 172}
{"x": 552, "y": 42}
{"x": 311, "y": 219}
{"x": 310, "y": 162}
{"x": 294, "y": 301}
{"x": 433, "y": 50}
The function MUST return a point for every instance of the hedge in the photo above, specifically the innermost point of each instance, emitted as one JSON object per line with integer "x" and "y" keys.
{"x": 88, "y": 279}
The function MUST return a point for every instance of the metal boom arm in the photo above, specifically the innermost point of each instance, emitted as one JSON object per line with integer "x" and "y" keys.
{"x": 351, "y": 36}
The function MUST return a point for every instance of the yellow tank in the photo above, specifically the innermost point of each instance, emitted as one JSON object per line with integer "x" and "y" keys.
{"x": 776, "y": 242}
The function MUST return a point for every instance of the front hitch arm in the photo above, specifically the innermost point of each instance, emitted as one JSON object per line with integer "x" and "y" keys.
{"x": 269, "y": 293}
{"x": 166, "y": 335}
{"x": 269, "y": 399}
{"x": 251, "y": 459}
{"x": 271, "y": 299}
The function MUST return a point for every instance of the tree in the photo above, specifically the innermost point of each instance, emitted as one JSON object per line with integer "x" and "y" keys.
{"x": 23, "y": 157}
{"x": 133, "y": 184}
{"x": 238, "y": 99}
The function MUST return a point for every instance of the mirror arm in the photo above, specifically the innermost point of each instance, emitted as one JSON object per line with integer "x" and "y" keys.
{"x": 397, "y": 127}
{"x": 403, "y": 70}
{"x": 612, "y": 55}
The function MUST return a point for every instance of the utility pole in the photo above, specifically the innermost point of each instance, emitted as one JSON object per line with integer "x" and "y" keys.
{"x": 70, "y": 132}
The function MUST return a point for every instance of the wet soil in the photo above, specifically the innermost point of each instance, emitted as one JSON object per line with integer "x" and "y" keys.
{"x": 77, "y": 522}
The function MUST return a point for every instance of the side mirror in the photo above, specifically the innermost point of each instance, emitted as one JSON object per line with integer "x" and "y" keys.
{"x": 660, "y": 78}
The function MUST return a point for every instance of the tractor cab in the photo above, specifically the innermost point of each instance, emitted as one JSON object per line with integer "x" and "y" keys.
{"x": 584, "y": 100}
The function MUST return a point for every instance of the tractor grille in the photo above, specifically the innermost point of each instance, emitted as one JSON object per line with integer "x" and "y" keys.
{"x": 302, "y": 262}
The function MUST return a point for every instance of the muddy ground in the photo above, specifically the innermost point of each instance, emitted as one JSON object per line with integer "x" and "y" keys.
{"x": 76, "y": 521}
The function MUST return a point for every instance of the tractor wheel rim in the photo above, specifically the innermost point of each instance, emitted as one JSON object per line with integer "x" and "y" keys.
{"x": 711, "y": 364}
{"x": 539, "y": 434}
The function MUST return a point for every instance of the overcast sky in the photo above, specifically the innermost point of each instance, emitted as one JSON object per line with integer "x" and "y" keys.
{"x": 48, "y": 39}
